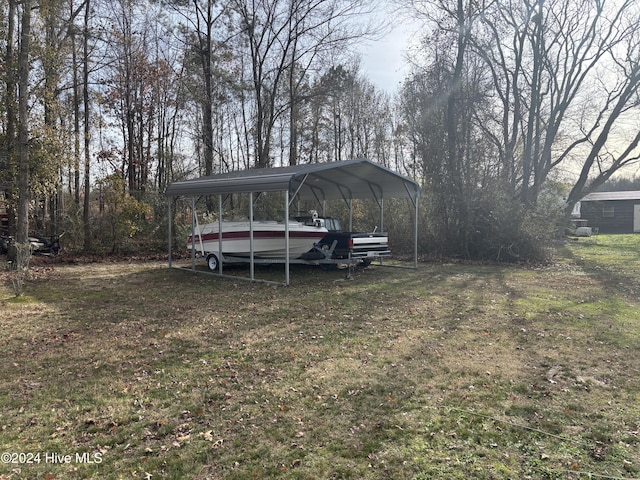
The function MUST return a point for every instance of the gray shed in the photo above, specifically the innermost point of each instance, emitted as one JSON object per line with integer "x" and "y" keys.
{"x": 346, "y": 180}
{"x": 612, "y": 212}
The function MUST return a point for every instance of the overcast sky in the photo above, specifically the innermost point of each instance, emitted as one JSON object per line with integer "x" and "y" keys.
{"x": 384, "y": 61}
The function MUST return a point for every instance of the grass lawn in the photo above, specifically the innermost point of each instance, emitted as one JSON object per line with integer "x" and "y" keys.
{"x": 132, "y": 370}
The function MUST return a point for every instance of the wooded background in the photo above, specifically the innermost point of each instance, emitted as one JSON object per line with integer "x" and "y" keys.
{"x": 511, "y": 112}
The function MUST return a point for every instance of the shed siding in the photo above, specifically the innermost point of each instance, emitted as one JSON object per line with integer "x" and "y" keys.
{"x": 620, "y": 222}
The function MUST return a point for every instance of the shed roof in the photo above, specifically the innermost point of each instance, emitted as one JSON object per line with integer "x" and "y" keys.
{"x": 608, "y": 196}
{"x": 350, "y": 179}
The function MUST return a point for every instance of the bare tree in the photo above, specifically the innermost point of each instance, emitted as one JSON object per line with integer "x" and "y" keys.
{"x": 86, "y": 213}
{"x": 285, "y": 38}
{"x": 207, "y": 18}
{"x": 36, "y": 138}
{"x": 566, "y": 77}
{"x": 22, "y": 231}
{"x": 131, "y": 82}
{"x": 8, "y": 160}
{"x": 348, "y": 117}
{"x": 439, "y": 104}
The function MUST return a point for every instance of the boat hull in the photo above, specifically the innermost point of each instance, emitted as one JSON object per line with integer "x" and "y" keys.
{"x": 268, "y": 239}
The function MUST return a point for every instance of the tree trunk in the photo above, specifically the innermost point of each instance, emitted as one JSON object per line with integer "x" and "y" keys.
{"x": 87, "y": 126}
{"x": 10, "y": 106}
{"x": 454, "y": 149}
{"x": 76, "y": 120}
{"x": 22, "y": 232}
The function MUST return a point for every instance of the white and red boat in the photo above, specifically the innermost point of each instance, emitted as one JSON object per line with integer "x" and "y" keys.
{"x": 268, "y": 238}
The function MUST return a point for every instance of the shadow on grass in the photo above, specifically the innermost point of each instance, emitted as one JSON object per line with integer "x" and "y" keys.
{"x": 178, "y": 373}
{"x": 612, "y": 260}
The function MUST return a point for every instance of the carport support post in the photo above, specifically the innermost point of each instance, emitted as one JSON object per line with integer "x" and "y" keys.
{"x": 251, "y": 253}
{"x": 416, "y": 202}
{"x": 220, "y": 233}
{"x": 286, "y": 237}
{"x": 169, "y": 228}
{"x": 382, "y": 222}
{"x": 193, "y": 233}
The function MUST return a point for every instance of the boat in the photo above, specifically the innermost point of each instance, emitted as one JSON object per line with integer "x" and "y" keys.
{"x": 268, "y": 238}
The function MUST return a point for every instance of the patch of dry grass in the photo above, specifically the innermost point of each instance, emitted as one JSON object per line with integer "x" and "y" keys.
{"x": 450, "y": 371}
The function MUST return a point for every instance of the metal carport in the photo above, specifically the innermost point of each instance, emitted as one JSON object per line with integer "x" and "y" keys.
{"x": 347, "y": 180}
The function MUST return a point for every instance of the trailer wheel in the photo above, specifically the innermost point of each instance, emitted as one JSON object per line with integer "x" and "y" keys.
{"x": 212, "y": 262}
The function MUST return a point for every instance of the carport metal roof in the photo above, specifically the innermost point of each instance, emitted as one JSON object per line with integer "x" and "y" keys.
{"x": 350, "y": 179}
{"x": 347, "y": 180}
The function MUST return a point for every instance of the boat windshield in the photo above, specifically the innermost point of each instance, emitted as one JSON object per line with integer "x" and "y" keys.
{"x": 332, "y": 224}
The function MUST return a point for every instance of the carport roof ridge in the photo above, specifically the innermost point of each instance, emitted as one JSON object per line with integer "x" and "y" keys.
{"x": 349, "y": 179}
